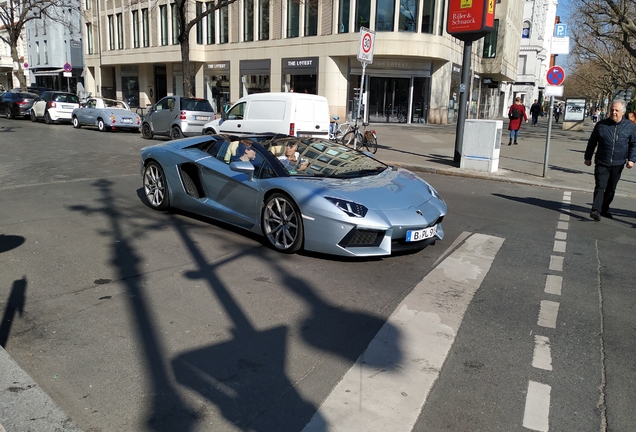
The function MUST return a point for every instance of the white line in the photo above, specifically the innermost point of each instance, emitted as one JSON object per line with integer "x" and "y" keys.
{"x": 385, "y": 390}
{"x": 541, "y": 358}
{"x": 559, "y": 246}
{"x": 537, "y": 412}
{"x": 564, "y": 217}
{"x": 548, "y": 314}
{"x": 556, "y": 263}
{"x": 560, "y": 235}
{"x": 553, "y": 284}
{"x": 563, "y": 226}
{"x": 567, "y": 193}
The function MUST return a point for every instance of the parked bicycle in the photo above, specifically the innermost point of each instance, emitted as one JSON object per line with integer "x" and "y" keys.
{"x": 338, "y": 130}
{"x": 357, "y": 139}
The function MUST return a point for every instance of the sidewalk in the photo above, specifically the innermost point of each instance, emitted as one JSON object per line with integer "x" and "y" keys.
{"x": 429, "y": 148}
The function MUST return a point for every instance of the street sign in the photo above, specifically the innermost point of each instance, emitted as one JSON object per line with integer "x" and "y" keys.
{"x": 560, "y": 30}
{"x": 555, "y": 76}
{"x": 556, "y": 91}
{"x": 67, "y": 67}
{"x": 367, "y": 43}
{"x": 560, "y": 45}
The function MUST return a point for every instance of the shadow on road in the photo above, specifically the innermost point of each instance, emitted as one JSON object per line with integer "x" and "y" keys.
{"x": 15, "y": 303}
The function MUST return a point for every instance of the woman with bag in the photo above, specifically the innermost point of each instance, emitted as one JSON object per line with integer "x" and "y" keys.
{"x": 516, "y": 114}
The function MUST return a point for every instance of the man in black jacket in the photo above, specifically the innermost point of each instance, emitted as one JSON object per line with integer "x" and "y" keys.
{"x": 616, "y": 140}
{"x": 535, "y": 110}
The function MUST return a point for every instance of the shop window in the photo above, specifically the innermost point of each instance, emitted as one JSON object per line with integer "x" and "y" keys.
{"x": 111, "y": 33}
{"x": 216, "y": 90}
{"x": 211, "y": 27}
{"x": 363, "y": 15}
{"x": 130, "y": 85}
{"x": 224, "y": 25}
{"x": 344, "y": 8}
{"x": 384, "y": 14}
{"x": 428, "y": 16}
{"x": 120, "y": 32}
{"x": 199, "y": 12}
{"x": 176, "y": 24}
{"x": 311, "y": 17}
{"x": 408, "y": 15}
{"x": 490, "y": 42}
{"x": 248, "y": 21}
{"x": 135, "y": 26}
{"x": 163, "y": 16}
{"x": 145, "y": 27}
{"x": 263, "y": 19}
{"x": 293, "y": 18}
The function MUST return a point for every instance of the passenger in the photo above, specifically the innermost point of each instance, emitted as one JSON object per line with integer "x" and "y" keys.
{"x": 291, "y": 159}
{"x": 245, "y": 152}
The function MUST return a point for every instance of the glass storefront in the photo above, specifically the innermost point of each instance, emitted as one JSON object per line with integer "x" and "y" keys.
{"x": 130, "y": 85}
{"x": 300, "y": 75}
{"x": 453, "y": 97}
{"x": 255, "y": 77}
{"x": 216, "y": 85}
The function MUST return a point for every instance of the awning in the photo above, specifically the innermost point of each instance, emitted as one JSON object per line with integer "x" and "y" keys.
{"x": 52, "y": 72}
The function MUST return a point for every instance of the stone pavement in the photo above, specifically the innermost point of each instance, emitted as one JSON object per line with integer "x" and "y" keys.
{"x": 428, "y": 148}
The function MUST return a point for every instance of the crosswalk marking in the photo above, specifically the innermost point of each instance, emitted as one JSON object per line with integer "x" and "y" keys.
{"x": 389, "y": 396}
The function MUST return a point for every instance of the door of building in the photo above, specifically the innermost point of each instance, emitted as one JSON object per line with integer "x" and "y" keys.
{"x": 161, "y": 82}
{"x": 388, "y": 99}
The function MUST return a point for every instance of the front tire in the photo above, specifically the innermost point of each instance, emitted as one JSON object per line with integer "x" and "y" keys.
{"x": 175, "y": 133}
{"x": 101, "y": 126}
{"x": 348, "y": 139}
{"x": 156, "y": 187}
{"x": 146, "y": 132}
{"x": 76, "y": 123}
{"x": 282, "y": 224}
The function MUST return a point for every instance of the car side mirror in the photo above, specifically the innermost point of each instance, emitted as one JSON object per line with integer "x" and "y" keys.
{"x": 243, "y": 167}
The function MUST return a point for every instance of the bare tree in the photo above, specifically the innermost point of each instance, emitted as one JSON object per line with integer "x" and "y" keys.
{"x": 14, "y": 15}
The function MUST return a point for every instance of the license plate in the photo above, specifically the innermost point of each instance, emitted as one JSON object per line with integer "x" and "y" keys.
{"x": 203, "y": 118}
{"x": 126, "y": 120}
{"x": 68, "y": 107}
{"x": 305, "y": 135}
{"x": 423, "y": 234}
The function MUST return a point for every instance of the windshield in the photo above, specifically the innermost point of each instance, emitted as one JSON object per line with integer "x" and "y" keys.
{"x": 321, "y": 158}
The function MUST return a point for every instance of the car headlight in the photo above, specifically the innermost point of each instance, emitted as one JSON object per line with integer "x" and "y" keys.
{"x": 351, "y": 208}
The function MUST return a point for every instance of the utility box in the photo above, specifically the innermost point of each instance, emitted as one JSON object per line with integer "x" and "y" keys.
{"x": 481, "y": 145}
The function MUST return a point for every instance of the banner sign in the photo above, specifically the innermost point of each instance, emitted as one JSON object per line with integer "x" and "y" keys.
{"x": 470, "y": 19}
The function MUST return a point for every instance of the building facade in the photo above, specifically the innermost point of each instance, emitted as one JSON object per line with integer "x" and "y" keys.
{"x": 535, "y": 51}
{"x": 7, "y": 65}
{"x": 131, "y": 52}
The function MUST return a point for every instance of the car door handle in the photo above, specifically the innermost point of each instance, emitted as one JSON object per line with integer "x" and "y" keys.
{"x": 317, "y": 126}
{"x": 238, "y": 125}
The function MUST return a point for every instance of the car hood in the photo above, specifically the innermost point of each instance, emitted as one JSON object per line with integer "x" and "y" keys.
{"x": 390, "y": 190}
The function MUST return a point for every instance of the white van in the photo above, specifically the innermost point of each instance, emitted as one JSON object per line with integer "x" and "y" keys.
{"x": 296, "y": 114}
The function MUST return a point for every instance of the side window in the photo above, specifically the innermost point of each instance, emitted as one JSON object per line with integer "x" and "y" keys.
{"x": 171, "y": 104}
{"x": 92, "y": 103}
{"x": 236, "y": 113}
{"x": 162, "y": 105}
{"x": 215, "y": 149}
{"x": 266, "y": 171}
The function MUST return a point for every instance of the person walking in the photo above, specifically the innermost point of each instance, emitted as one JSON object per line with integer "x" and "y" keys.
{"x": 535, "y": 111}
{"x": 614, "y": 140}
{"x": 516, "y": 113}
{"x": 557, "y": 113}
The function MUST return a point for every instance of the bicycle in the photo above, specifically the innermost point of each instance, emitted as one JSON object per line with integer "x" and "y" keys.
{"x": 367, "y": 138}
{"x": 338, "y": 130}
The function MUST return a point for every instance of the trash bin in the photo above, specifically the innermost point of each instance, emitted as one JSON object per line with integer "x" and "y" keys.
{"x": 481, "y": 145}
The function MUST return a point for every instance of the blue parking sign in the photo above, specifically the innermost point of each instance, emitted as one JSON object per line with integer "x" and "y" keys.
{"x": 560, "y": 30}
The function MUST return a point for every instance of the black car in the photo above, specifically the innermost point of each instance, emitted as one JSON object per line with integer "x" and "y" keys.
{"x": 16, "y": 104}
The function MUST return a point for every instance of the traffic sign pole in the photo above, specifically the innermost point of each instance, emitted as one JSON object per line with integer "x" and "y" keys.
{"x": 547, "y": 138}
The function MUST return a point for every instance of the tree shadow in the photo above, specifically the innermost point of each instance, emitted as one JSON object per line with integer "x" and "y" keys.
{"x": 15, "y": 303}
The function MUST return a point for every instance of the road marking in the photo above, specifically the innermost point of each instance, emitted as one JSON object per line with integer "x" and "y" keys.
{"x": 561, "y": 235}
{"x": 559, "y": 246}
{"x": 567, "y": 193}
{"x": 556, "y": 263}
{"x": 537, "y": 410}
{"x": 542, "y": 358}
{"x": 563, "y": 226}
{"x": 553, "y": 284}
{"x": 390, "y": 394}
{"x": 548, "y": 314}
{"x": 564, "y": 217}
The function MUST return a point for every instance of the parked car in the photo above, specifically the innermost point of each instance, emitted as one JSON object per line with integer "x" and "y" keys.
{"x": 337, "y": 200}
{"x": 176, "y": 117}
{"x": 53, "y": 106}
{"x": 106, "y": 114}
{"x": 16, "y": 104}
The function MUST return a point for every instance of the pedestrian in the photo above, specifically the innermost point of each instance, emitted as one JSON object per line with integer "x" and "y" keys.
{"x": 557, "y": 113}
{"x": 596, "y": 114}
{"x": 516, "y": 113}
{"x": 535, "y": 111}
{"x": 614, "y": 140}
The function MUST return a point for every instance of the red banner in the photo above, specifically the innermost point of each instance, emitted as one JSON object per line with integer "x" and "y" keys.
{"x": 470, "y": 17}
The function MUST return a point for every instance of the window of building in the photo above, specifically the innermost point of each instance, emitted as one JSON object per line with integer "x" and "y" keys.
{"x": 384, "y": 15}
{"x": 130, "y": 85}
{"x": 363, "y": 15}
{"x": 428, "y": 16}
{"x": 525, "y": 31}
{"x": 44, "y": 28}
{"x": 490, "y": 42}
{"x": 89, "y": 38}
{"x": 199, "y": 12}
{"x": 521, "y": 65}
{"x": 37, "y": 51}
{"x": 176, "y": 24}
{"x": 87, "y": 5}
{"x": 135, "y": 28}
{"x": 408, "y": 15}
{"x": 46, "y": 52}
{"x": 120, "y": 31}
{"x": 163, "y": 16}
{"x": 248, "y": 21}
{"x": 224, "y": 25}
{"x": 263, "y": 19}
{"x": 344, "y": 9}
{"x": 70, "y": 21}
{"x": 211, "y": 28}
{"x": 293, "y": 18}
{"x": 311, "y": 17}
{"x": 36, "y": 29}
{"x": 145, "y": 27}
{"x": 111, "y": 33}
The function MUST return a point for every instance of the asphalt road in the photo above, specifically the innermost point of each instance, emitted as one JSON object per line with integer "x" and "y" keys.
{"x": 138, "y": 320}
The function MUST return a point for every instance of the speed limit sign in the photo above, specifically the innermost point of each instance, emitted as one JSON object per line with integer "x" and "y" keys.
{"x": 365, "y": 48}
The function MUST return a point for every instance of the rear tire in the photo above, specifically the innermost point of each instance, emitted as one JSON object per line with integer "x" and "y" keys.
{"x": 146, "y": 132}
{"x": 156, "y": 187}
{"x": 175, "y": 133}
{"x": 371, "y": 144}
{"x": 76, "y": 123}
{"x": 47, "y": 118}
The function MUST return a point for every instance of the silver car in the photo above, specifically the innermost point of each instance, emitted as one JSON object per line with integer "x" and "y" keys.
{"x": 106, "y": 114}
{"x": 176, "y": 117}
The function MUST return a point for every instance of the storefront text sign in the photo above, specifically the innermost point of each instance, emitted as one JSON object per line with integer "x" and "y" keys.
{"x": 470, "y": 19}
